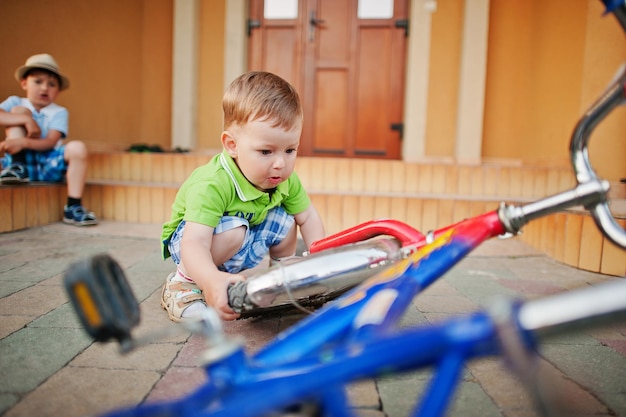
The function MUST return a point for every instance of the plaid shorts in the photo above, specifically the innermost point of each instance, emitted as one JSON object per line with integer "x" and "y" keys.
{"x": 43, "y": 166}
{"x": 257, "y": 242}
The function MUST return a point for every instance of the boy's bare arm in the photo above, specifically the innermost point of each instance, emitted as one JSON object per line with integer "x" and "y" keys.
{"x": 199, "y": 265}
{"x": 15, "y": 145}
{"x": 20, "y": 119}
{"x": 311, "y": 225}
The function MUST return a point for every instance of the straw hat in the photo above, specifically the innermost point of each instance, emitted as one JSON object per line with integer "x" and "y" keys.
{"x": 45, "y": 62}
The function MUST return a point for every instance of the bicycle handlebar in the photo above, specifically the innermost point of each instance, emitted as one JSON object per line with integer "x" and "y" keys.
{"x": 613, "y": 96}
{"x": 558, "y": 312}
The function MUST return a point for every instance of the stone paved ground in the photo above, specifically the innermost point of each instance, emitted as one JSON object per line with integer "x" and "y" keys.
{"x": 49, "y": 367}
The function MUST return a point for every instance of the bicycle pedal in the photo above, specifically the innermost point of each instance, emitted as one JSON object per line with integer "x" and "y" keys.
{"x": 102, "y": 298}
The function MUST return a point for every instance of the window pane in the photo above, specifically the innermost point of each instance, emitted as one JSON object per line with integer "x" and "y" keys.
{"x": 375, "y": 9}
{"x": 280, "y": 9}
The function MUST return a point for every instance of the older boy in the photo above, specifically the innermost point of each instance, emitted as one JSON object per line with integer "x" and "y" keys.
{"x": 244, "y": 203}
{"x": 35, "y": 127}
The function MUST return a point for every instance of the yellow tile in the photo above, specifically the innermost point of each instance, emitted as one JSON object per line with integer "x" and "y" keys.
{"x": 349, "y": 208}
{"x": 108, "y": 202}
{"x": 527, "y": 182}
{"x": 553, "y": 182}
{"x": 439, "y": 178}
{"x": 164, "y": 170}
{"x": 430, "y": 214}
{"x": 110, "y": 170}
{"x": 124, "y": 173}
{"x": 303, "y": 169}
{"x": 133, "y": 208}
{"x": 366, "y": 209}
{"x": 613, "y": 259}
{"x": 464, "y": 180}
{"x": 567, "y": 180}
{"x": 119, "y": 203}
{"x": 540, "y": 184}
{"x": 573, "y": 233}
{"x": 490, "y": 181}
{"x": 6, "y": 208}
{"x": 445, "y": 213}
{"x": 370, "y": 175}
{"x": 18, "y": 197}
{"x": 382, "y": 208}
{"x": 60, "y": 198}
{"x": 178, "y": 167}
{"x": 425, "y": 178}
{"x": 134, "y": 166}
{"x": 452, "y": 180}
{"x": 411, "y": 178}
{"x": 169, "y": 196}
{"x": 591, "y": 246}
{"x": 461, "y": 211}
{"x": 414, "y": 208}
{"x": 145, "y": 163}
{"x": 384, "y": 176}
{"x": 316, "y": 180}
{"x": 560, "y": 221}
{"x": 94, "y": 166}
{"x": 515, "y": 182}
{"x": 397, "y": 176}
{"x": 158, "y": 205}
{"x": 477, "y": 180}
{"x": 32, "y": 207}
{"x": 144, "y": 203}
{"x": 329, "y": 174}
{"x": 334, "y": 212}
{"x": 398, "y": 209}
{"x": 504, "y": 182}
{"x": 343, "y": 180}
{"x": 548, "y": 235}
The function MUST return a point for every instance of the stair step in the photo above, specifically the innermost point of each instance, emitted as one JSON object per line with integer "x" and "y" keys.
{"x": 140, "y": 188}
{"x": 31, "y": 204}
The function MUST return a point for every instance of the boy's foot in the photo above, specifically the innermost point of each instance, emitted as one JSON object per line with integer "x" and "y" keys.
{"x": 179, "y": 299}
{"x": 14, "y": 174}
{"x": 79, "y": 216}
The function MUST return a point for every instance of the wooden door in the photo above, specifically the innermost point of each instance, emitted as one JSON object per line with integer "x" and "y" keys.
{"x": 347, "y": 62}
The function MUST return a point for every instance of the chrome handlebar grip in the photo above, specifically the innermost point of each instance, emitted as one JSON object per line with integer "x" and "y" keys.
{"x": 613, "y": 96}
{"x": 549, "y": 315}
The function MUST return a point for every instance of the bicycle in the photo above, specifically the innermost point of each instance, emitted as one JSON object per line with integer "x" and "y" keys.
{"x": 356, "y": 335}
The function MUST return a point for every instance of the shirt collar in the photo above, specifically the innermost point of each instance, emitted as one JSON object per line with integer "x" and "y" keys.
{"x": 245, "y": 190}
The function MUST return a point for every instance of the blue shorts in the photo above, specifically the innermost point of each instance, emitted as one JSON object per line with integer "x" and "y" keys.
{"x": 43, "y": 166}
{"x": 257, "y": 242}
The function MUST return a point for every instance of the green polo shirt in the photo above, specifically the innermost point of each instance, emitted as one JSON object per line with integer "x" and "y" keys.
{"x": 219, "y": 189}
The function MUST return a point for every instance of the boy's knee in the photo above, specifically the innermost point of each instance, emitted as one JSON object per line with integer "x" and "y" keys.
{"x": 287, "y": 247}
{"x": 75, "y": 149}
{"x": 16, "y": 132}
{"x": 225, "y": 245}
{"x": 20, "y": 110}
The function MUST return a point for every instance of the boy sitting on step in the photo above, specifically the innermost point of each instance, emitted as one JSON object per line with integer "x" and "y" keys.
{"x": 35, "y": 126}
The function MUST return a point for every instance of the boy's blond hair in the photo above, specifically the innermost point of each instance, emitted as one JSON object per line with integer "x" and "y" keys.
{"x": 261, "y": 96}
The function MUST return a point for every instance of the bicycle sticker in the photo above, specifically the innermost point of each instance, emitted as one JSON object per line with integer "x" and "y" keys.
{"x": 400, "y": 268}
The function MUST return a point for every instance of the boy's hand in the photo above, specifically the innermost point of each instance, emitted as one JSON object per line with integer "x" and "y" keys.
{"x": 12, "y": 146}
{"x": 217, "y": 294}
{"x": 32, "y": 128}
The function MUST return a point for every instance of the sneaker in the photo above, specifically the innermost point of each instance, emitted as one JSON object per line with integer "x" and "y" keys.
{"x": 181, "y": 300}
{"x": 14, "y": 174}
{"x": 78, "y": 216}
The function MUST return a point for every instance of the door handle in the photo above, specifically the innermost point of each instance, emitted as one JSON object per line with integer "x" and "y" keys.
{"x": 313, "y": 23}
